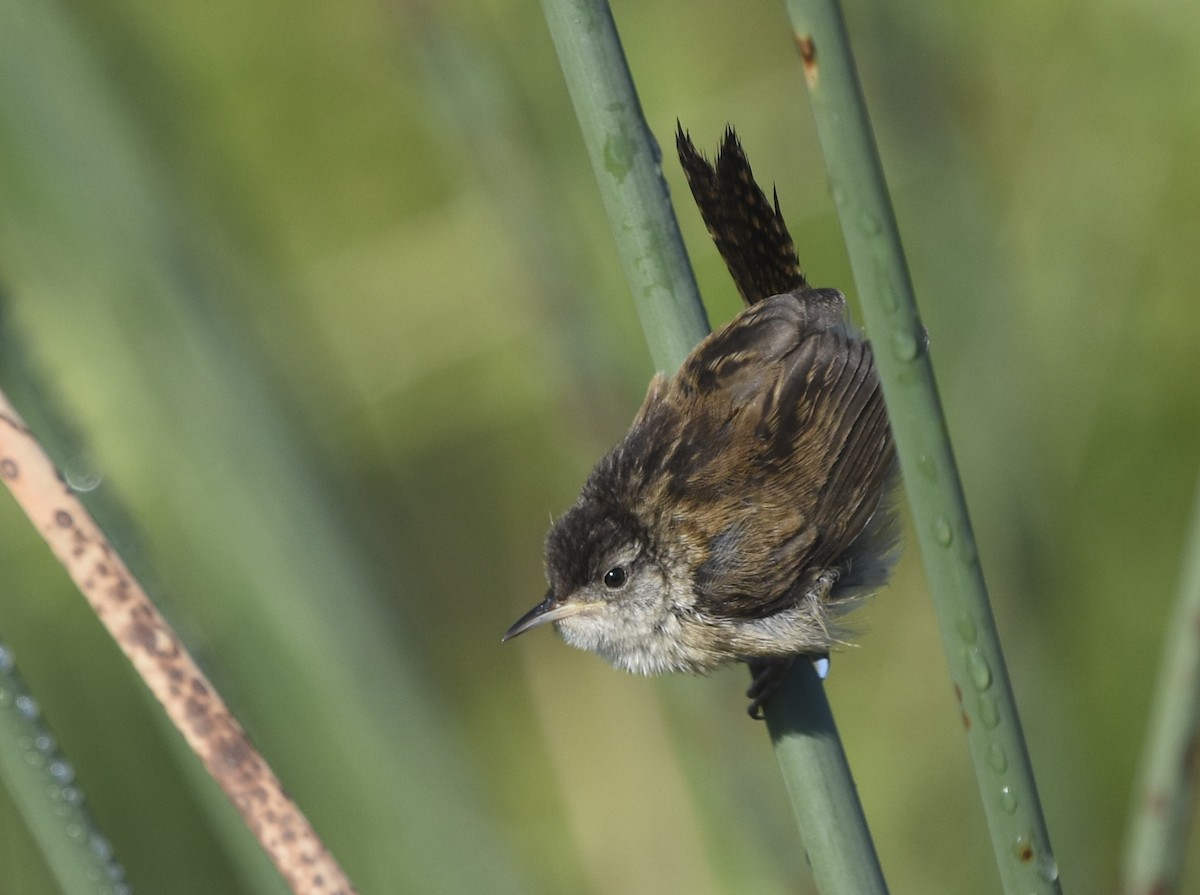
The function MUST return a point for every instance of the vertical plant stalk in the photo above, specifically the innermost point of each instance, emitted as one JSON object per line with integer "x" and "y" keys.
{"x": 972, "y": 644}
{"x": 821, "y": 787}
{"x": 42, "y": 784}
{"x": 1155, "y": 849}
{"x": 627, "y": 165}
{"x": 163, "y": 662}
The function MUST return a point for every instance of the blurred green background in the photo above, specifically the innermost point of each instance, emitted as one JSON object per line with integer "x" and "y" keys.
{"x": 327, "y": 294}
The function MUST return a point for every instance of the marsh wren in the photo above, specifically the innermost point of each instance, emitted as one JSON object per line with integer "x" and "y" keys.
{"x": 749, "y": 505}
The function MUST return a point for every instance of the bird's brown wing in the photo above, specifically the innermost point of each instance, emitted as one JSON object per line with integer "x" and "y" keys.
{"x": 748, "y": 230}
{"x": 787, "y": 414}
{"x": 740, "y": 357}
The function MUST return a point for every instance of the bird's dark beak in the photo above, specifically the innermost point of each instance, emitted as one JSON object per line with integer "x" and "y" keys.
{"x": 549, "y": 610}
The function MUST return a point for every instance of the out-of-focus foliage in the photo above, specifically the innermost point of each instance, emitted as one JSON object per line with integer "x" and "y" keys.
{"x": 328, "y": 296}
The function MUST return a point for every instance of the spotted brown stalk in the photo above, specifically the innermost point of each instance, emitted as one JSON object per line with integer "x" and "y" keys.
{"x": 163, "y": 662}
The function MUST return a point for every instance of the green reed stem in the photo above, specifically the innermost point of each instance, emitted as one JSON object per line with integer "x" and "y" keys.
{"x": 626, "y": 161}
{"x": 824, "y": 799}
{"x": 1155, "y": 849}
{"x": 972, "y": 644}
{"x": 42, "y": 785}
{"x": 628, "y": 167}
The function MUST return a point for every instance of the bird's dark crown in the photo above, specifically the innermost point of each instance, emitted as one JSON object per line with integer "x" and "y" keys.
{"x": 584, "y": 539}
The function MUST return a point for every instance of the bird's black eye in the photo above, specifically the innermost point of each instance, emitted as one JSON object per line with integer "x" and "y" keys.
{"x": 614, "y": 578}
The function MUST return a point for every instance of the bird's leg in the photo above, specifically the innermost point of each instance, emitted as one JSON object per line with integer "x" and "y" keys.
{"x": 768, "y": 675}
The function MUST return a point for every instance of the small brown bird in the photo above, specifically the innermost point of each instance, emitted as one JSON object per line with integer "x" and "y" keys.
{"x": 749, "y": 505}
